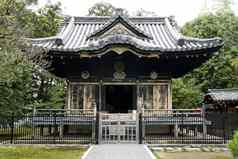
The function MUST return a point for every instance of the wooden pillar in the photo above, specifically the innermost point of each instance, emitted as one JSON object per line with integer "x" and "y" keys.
{"x": 138, "y": 106}
{"x": 98, "y": 134}
{"x": 85, "y": 97}
{"x": 78, "y": 94}
{"x": 68, "y": 99}
{"x": 157, "y": 95}
{"x": 98, "y": 131}
{"x": 100, "y": 96}
{"x": 170, "y": 104}
{"x": 143, "y": 125}
{"x": 139, "y": 131}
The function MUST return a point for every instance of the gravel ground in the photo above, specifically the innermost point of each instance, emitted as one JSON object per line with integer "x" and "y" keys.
{"x": 194, "y": 155}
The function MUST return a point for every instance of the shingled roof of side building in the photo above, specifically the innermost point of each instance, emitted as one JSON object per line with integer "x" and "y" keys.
{"x": 222, "y": 96}
{"x": 144, "y": 34}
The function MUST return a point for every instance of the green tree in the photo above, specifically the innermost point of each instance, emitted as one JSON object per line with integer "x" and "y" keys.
{"x": 17, "y": 68}
{"x": 15, "y": 80}
{"x": 106, "y": 9}
{"x": 186, "y": 95}
{"x": 48, "y": 91}
{"x": 235, "y": 62}
{"x": 17, "y": 21}
{"x": 233, "y": 145}
{"x": 47, "y": 19}
{"x": 219, "y": 71}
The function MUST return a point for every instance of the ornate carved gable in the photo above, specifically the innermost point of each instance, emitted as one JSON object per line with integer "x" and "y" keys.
{"x": 119, "y": 25}
{"x": 118, "y": 29}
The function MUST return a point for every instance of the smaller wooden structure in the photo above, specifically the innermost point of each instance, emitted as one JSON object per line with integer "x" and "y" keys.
{"x": 223, "y": 100}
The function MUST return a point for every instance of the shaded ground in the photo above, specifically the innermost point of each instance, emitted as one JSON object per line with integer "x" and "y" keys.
{"x": 36, "y": 152}
{"x": 193, "y": 155}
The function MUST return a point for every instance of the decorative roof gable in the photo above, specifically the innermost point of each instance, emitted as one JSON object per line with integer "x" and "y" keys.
{"x": 119, "y": 25}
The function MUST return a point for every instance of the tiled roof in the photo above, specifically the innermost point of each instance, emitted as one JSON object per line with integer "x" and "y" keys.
{"x": 223, "y": 95}
{"x": 160, "y": 34}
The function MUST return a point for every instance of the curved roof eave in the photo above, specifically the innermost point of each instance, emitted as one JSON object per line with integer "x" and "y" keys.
{"x": 138, "y": 51}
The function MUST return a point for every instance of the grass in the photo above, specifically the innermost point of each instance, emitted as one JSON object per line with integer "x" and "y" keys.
{"x": 192, "y": 155}
{"x": 36, "y": 152}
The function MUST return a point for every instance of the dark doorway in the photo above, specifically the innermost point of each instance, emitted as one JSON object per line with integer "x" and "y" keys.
{"x": 119, "y": 99}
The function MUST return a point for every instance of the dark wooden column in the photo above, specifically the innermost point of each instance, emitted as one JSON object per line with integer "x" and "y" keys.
{"x": 100, "y": 96}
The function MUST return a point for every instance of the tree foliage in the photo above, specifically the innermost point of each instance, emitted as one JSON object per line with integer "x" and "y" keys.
{"x": 48, "y": 91}
{"x": 15, "y": 80}
{"x": 233, "y": 145}
{"x": 47, "y": 20}
{"x": 219, "y": 71}
{"x": 186, "y": 94}
{"x": 106, "y": 9}
{"x": 17, "y": 69}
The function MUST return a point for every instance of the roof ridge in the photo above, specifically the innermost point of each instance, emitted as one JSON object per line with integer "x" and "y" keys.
{"x": 174, "y": 32}
{"x": 139, "y": 17}
{"x": 62, "y": 35}
{"x": 132, "y": 18}
{"x": 223, "y": 89}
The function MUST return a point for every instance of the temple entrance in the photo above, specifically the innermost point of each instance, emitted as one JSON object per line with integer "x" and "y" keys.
{"x": 118, "y": 121}
{"x": 119, "y": 98}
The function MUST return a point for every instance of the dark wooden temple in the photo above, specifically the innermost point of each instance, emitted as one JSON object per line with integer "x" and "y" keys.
{"x": 122, "y": 64}
{"x": 121, "y": 67}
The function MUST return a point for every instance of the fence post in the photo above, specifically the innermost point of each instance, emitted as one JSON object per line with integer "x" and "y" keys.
{"x": 204, "y": 124}
{"x": 97, "y": 129}
{"x": 229, "y": 133}
{"x": 12, "y": 127}
{"x": 93, "y": 123}
{"x": 55, "y": 127}
{"x": 182, "y": 126}
{"x": 224, "y": 126}
{"x": 140, "y": 128}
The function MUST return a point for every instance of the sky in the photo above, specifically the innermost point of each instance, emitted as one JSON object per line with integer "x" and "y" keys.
{"x": 183, "y": 10}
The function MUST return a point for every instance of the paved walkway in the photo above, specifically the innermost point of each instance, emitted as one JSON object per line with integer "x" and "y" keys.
{"x": 119, "y": 151}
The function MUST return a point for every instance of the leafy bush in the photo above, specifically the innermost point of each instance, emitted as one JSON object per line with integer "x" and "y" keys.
{"x": 233, "y": 145}
{"x": 186, "y": 94}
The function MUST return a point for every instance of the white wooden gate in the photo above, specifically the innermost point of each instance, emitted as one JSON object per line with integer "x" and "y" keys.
{"x": 118, "y": 128}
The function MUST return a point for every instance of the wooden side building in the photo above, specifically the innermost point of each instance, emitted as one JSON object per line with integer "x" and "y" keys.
{"x": 221, "y": 100}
